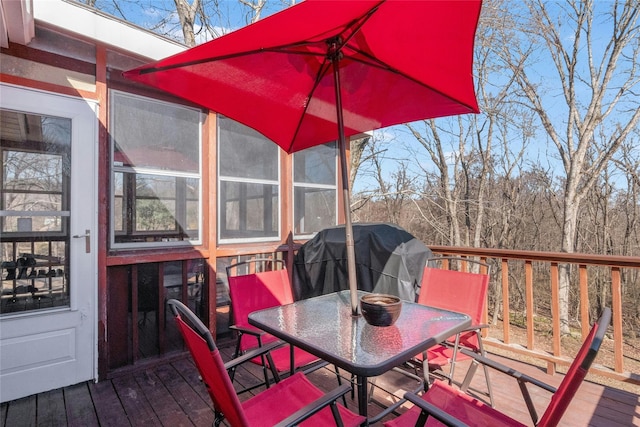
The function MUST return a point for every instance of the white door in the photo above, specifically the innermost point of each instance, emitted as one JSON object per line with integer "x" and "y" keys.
{"x": 48, "y": 219}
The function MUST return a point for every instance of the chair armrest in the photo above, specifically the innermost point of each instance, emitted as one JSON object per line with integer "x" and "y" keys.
{"x": 243, "y": 330}
{"x": 507, "y": 370}
{"x": 432, "y": 411}
{"x": 473, "y": 328}
{"x": 253, "y": 353}
{"x": 315, "y": 406}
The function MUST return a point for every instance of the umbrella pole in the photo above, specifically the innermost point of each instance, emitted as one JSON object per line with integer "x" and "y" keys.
{"x": 348, "y": 227}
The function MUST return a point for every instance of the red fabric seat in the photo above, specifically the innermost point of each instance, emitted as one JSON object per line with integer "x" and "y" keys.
{"x": 294, "y": 400}
{"x": 460, "y": 405}
{"x": 268, "y": 409}
{"x": 443, "y": 404}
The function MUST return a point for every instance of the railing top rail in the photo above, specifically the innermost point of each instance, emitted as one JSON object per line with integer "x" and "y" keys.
{"x": 563, "y": 257}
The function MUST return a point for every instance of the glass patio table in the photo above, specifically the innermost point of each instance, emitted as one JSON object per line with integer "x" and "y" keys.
{"x": 325, "y": 327}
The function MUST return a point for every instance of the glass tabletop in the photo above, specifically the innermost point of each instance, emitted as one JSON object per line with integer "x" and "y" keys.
{"x": 324, "y": 326}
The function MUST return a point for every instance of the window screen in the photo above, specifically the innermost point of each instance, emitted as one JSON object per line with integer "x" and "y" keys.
{"x": 156, "y": 179}
{"x": 315, "y": 190}
{"x": 249, "y": 188}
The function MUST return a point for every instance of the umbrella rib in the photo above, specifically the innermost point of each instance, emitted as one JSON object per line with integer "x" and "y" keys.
{"x": 359, "y": 23}
{"x": 321, "y": 72}
{"x": 277, "y": 49}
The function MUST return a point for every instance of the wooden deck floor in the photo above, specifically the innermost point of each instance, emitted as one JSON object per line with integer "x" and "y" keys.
{"x": 171, "y": 395}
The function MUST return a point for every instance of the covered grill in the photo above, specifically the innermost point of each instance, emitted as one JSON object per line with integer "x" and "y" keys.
{"x": 389, "y": 260}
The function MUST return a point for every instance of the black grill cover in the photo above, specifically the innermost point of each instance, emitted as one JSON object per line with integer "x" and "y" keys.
{"x": 388, "y": 260}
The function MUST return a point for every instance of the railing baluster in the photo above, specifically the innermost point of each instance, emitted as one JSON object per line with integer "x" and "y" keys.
{"x": 185, "y": 281}
{"x": 616, "y": 295}
{"x": 134, "y": 313}
{"x": 485, "y": 315}
{"x": 555, "y": 308}
{"x": 160, "y": 314}
{"x": 505, "y": 300}
{"x": 584, "y": 301}
{"x": 528, "y": 283}
{"x": 555, "y": 317}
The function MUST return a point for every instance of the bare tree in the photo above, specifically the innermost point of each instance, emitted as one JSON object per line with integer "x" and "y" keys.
{"x": 357, "y": 159}
{"x": 444, "y": 160}
{"x": 460, "y": 148}
{"x": 394, "y": 193}
{"x": 579, "y": 90}
{"x": 255, "y": 6}
{"x": 187, "y": 15}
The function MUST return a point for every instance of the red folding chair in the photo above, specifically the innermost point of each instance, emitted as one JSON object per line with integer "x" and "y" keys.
{"x": 450, "y": 406}
{"x": 464, "y": 292}
{"x": 289, "y": 402}
{"x": 256, "y": 290}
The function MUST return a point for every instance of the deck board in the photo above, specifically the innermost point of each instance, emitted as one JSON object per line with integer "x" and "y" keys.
{"x": 189, "y": 400}
{"x": 164, "y": 407}
{"x": 107, "y": 404}
{"x": 135, "y": 403}
{"x": 51, "y": 409}
{"x": 171, "y": 394}
{"x": 79, "y": 406}
{"x": 21, "y": 412}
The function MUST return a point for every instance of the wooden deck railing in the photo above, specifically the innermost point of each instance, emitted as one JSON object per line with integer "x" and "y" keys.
{"x": 535, "y": 277}
{"x": 525, "y": 262}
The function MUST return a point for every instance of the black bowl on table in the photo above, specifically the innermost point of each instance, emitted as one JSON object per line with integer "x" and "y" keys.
{"x": 380, "y": 309}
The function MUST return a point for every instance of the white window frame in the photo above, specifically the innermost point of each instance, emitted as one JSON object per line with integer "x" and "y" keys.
{"x": 113, "y": 169}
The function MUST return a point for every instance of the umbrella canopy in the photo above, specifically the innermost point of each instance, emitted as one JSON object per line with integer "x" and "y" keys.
{"x": 400, "y": 61}
{"x": 323, "y": 70}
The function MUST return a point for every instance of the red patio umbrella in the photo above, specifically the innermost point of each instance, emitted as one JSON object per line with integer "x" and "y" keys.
{"x": 324, "y": 70}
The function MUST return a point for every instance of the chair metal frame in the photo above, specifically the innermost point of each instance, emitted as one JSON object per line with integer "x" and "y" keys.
{"x": 214, "y": 373}
{"x": 434, "y": 359}
{"x": 441, "y": 400}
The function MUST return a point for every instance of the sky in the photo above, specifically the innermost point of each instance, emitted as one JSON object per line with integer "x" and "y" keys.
{"x": 160, "y": 15}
